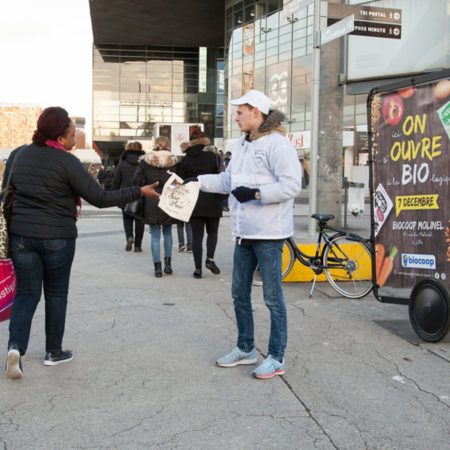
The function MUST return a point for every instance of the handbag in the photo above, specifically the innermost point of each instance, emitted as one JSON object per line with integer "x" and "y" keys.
{"x": 7, "y": 273}
{"x": 7, "y": 288}
{"x": 135, "y": 209}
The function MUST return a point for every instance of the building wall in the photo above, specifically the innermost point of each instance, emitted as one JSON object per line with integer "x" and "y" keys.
{"x": 80, "y": 137}
{"x": 135, "y": 87}
{"x": 267, "y": 52}
{"x": 17, "y": 124}
{"x": 272, "y": 52}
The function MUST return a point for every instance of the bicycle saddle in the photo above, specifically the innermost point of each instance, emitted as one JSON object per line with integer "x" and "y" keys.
{"x": 323, "y": 217}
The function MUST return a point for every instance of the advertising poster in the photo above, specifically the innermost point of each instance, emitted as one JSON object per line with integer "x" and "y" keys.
{"x": 411, "y": 180}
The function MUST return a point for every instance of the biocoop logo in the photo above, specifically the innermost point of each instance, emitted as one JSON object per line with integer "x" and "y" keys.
{"x": 413, "y": 261}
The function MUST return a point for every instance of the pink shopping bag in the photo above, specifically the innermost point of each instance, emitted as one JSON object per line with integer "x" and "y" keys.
{"x": 7, "y": 288}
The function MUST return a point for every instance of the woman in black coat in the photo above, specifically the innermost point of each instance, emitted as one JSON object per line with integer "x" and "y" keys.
{"x": 208, "y": 209}
{"x": 155, "y": 166}
{"x": 48, "y": 184}
{"x": 123, "y": 178}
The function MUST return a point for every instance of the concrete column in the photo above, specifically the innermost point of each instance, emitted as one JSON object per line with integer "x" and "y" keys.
{"x": 331, "y": 97}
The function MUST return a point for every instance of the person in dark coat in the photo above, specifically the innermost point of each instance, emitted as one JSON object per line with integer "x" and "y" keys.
{"x": 155, "y": 166}
{"x": 101, "y": 175}
{"x": 108, "y": 178}
{"x": 208, "y": 209}
{"x": 123, "y": 176}
{"x": 48, "y": 184}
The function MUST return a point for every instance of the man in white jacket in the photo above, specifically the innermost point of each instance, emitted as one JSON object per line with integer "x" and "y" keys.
{"x": 264, "y": 177}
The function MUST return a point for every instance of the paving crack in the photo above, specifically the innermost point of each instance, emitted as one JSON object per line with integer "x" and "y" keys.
{"x": 137, "y": 425}
{"x": 301, "y": 309}
{"x": 417, "y": 385}
{"x": 225, "y": 312}
{"x": 305, "y": 407}
{"x": 438, "y": 355}
{"x": 110, "y": 327}
{"x": 308, "y": 411}
{"x": 175, "y": 436}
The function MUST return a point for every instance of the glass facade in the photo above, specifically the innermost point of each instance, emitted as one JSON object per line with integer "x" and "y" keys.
{"x": 137, "y": 86}
{"x": 272, "y": 54}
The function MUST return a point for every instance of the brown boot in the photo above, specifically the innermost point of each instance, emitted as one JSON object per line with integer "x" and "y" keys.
{"x": 129, "y": 246}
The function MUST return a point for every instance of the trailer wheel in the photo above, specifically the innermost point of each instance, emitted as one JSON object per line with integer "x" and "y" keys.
{"x": 429, "y": 310}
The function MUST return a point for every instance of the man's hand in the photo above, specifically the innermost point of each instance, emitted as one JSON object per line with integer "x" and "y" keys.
{"x": 244, "y": 193}
{"x": 189, "y": 180}
{"x": 149, "y": 190}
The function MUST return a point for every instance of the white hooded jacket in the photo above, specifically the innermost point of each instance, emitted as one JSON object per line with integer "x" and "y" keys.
{"x": 267, "y": 161}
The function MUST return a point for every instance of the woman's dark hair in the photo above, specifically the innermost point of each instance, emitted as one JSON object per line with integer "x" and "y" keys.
{"x": 52, "y": 123}
{"x": 196, "y": 133}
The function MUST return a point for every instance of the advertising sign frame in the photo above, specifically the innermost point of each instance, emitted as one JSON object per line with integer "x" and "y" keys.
{"x": 409, "y": 164}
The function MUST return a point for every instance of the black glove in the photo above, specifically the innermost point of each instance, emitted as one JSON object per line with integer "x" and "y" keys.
{"x": 244, "y": 194}
{"x": 188, "y": 180}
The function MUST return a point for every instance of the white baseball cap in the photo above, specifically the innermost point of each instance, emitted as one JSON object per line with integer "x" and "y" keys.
{"x": 254, "y": 98}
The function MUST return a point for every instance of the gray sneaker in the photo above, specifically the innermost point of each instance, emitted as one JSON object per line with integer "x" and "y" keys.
{"x": 269, "y": 368}
{"x": 237, "y": 357}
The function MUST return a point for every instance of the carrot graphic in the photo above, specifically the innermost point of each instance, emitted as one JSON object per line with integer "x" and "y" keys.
{"x": 379, "y": 256}
{"x": 386, "y": 267}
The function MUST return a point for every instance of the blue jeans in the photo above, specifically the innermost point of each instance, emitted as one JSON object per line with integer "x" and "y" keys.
{"x": 268, "y": 255}
{"x": 40, "y": 263}
{"x": 156, "y": 238}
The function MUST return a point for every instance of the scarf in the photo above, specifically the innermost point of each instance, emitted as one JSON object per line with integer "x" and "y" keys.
{"x": 59, "y": 146}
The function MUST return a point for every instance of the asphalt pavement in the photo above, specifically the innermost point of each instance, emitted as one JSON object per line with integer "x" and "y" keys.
{"x": 144, "y": 374}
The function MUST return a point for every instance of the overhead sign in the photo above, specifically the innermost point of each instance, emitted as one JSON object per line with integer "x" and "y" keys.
{"x": 338, "y": 29}
{"x": 370, "y": 58}
{"x": 374, "y": 29}
{"x": 369, "y": 20}
{"x": 366, "y": 13}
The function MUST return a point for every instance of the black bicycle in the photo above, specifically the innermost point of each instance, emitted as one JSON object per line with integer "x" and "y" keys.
{"x": 344, "y": 257}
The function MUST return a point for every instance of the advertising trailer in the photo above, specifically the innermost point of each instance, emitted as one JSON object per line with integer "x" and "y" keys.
{"x": 409, "y": 137}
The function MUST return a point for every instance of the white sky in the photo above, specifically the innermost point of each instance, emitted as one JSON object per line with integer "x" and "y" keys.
{"x": 46, "y": 55}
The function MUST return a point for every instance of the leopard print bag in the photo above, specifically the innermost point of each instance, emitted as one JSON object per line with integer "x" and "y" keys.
{"x": 5, "y": 210}
{"x": 6, "y": 200}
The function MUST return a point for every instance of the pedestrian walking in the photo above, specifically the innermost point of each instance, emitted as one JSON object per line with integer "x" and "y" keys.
{"x": 101, "y": 175}
{"x": 108, "y": 178}
{"x": 208, "y": 209}
{"x": 184, "y": 244}
{"x": 123, "y": 176}
{"x": 155, "y": 166}
{"x": 48, "y": 184}
{"x": 263, "y": 177}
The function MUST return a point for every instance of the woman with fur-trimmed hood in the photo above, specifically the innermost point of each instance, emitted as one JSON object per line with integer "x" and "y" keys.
{"x": 155, "y": 166}
{"x": 208, "y": 209}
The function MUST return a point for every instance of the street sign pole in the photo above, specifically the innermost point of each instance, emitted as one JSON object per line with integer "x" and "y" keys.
{"x": 315, "y": 89}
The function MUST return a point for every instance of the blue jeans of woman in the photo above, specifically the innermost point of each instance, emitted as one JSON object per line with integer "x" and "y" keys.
{"x": 156, "y": 241}
{"x": 40, "y": 263}
{"x": 268, "y": 255}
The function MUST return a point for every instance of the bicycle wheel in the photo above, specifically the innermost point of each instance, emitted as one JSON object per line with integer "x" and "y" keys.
{"x": 287, "y": 261}
{"x": 348, "y": 266}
